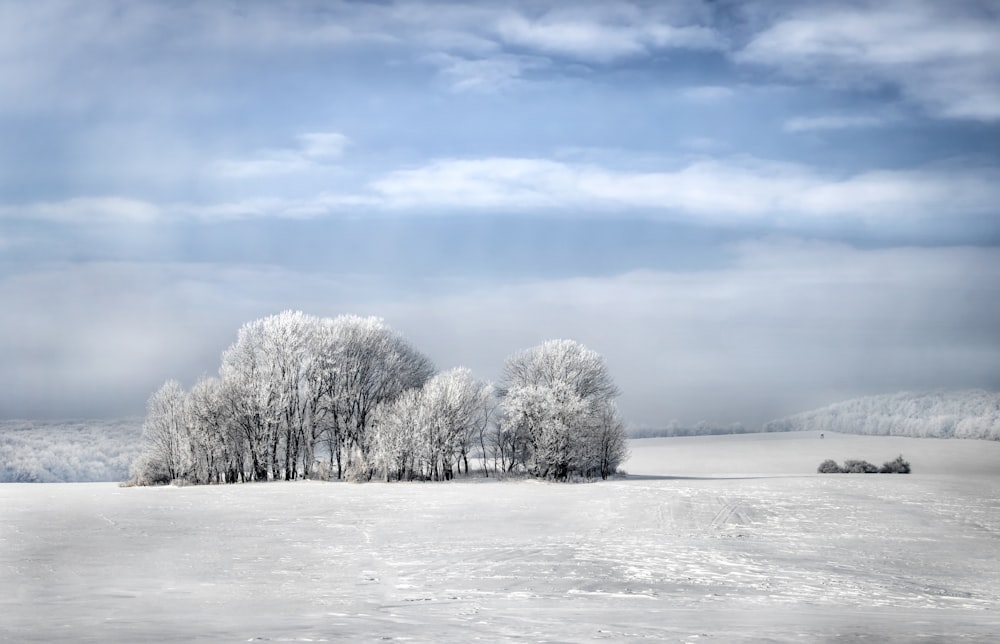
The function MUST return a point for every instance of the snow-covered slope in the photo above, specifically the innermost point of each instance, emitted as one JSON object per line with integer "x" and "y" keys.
{"x": 698, "y": 546}
{"x": 940, "y": 414}
{"x": 799, "y": 453}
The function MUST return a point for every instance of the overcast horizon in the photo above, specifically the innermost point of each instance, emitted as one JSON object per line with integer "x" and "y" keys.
{"x": 750, "y": 209}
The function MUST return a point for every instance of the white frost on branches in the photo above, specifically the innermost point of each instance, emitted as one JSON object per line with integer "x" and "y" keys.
{"x": 559, "y": 417}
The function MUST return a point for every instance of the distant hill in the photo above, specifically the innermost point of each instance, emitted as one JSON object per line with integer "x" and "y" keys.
{"x": 939, "y": 414}
{"x": 68, "y": 451}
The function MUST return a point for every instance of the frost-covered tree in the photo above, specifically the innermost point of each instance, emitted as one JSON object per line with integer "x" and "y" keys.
{"x": 428, "y": 432}
{"x": 481, "y": 436}
{"x": 250, "y": 397}
{"x": 167, "y": 453}
{"x": 364, "y": 364}
{"x": 455, "y": 404}
{"x": 609, "y": 442}
{"x": 393, "y": 443}
{"x": 278, "y": 387}
{"x": 217, "y": 444}
{"x": 558, "y": 410}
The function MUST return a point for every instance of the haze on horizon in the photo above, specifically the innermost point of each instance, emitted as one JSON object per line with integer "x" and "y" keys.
{"x": 749, "y": 208}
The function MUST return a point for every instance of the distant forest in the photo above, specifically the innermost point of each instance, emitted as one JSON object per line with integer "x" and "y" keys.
{"x": 701, "y": 428}
{"x": 940, "y": 414}
{"x": 68, "y": 450}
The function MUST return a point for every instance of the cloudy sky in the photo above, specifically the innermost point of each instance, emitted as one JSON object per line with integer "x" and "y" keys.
{"x": 749, "y": 208}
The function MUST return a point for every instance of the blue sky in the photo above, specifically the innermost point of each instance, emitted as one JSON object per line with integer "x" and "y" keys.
{"x": 749, "y": 208}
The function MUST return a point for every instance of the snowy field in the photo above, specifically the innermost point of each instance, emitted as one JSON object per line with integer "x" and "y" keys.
{"x": 712, "y": 539}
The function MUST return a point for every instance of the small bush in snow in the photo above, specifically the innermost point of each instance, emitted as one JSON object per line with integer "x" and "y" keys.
{"x": 358, "y": 472}
{"x": 859, "y": 467}
{"x": 898, "y": 466}
{"x": 829, "y": 466}
{"x": 148, "y": 471}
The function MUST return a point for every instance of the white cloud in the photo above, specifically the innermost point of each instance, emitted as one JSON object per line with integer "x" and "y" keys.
{"x": 319, "y": 205}
{"x": 490, "y": 47}
{"x": 940, "y": 55}
{"x": 707, "y": 93}
{"x": 54, "y": 53}
{"x": 86, "y": 210}
{"x": 832, "y": 122}
{"x": 728, "y": 191}
{"x": 315, "y": 149}
{"x": 724, "y": 190}
{"x": 490, "y": 74}
{"x": 267, "y": 163}
{"x": 786, "y": 326}
{"x": 580, "y": 39}
{"x": 322, "y": 145}
{"x": 789, "y": 325}
{"x": 60, "y": 54}
{"x": 589, "y": 38}
{"x": 702, "y": 144}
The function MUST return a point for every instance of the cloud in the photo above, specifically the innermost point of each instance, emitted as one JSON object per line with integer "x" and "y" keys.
{"x": 813, "y": 123}
{"x": 315, "y": 149}
{"x": 490, "y": 74}
{"x": 57, "y": 54}
{"x": 122, "y": 53}
{"x": 788, "y": 325}
{"x": 939, "y": 55}
{"x": 322, "y": 145}
{"x": 493, "y": 47}
{"x": 706, "y": 93}
{"x": 86, "y": 210}
{"x": 120, "y": 210}
{"x": 594, "y": 36}
{"x": 724, "y": 191}
{"x": 702, "y": 144}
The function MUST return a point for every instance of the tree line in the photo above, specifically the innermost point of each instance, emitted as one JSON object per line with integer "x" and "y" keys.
{"x": 300, "y": 396}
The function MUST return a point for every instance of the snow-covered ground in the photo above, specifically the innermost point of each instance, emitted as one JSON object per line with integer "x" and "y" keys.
{"x": 714, "y": 539}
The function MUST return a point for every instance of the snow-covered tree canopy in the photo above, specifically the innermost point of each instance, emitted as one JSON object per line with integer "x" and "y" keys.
{"x": 559, "y": 414}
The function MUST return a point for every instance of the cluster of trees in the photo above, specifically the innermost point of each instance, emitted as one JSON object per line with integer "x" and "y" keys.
{"x": 897, "y": 466}
{"x": 940, "y": 414}
{"x": 299, "y": 396}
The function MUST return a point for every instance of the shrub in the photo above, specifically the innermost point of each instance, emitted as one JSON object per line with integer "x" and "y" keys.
{"x": 147, "y": 470}
{"x": 358, "y": 472}
{"x": 859, "y": 467}
{"x": 829, "y": 466}
{"x": 898, "y": 466}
